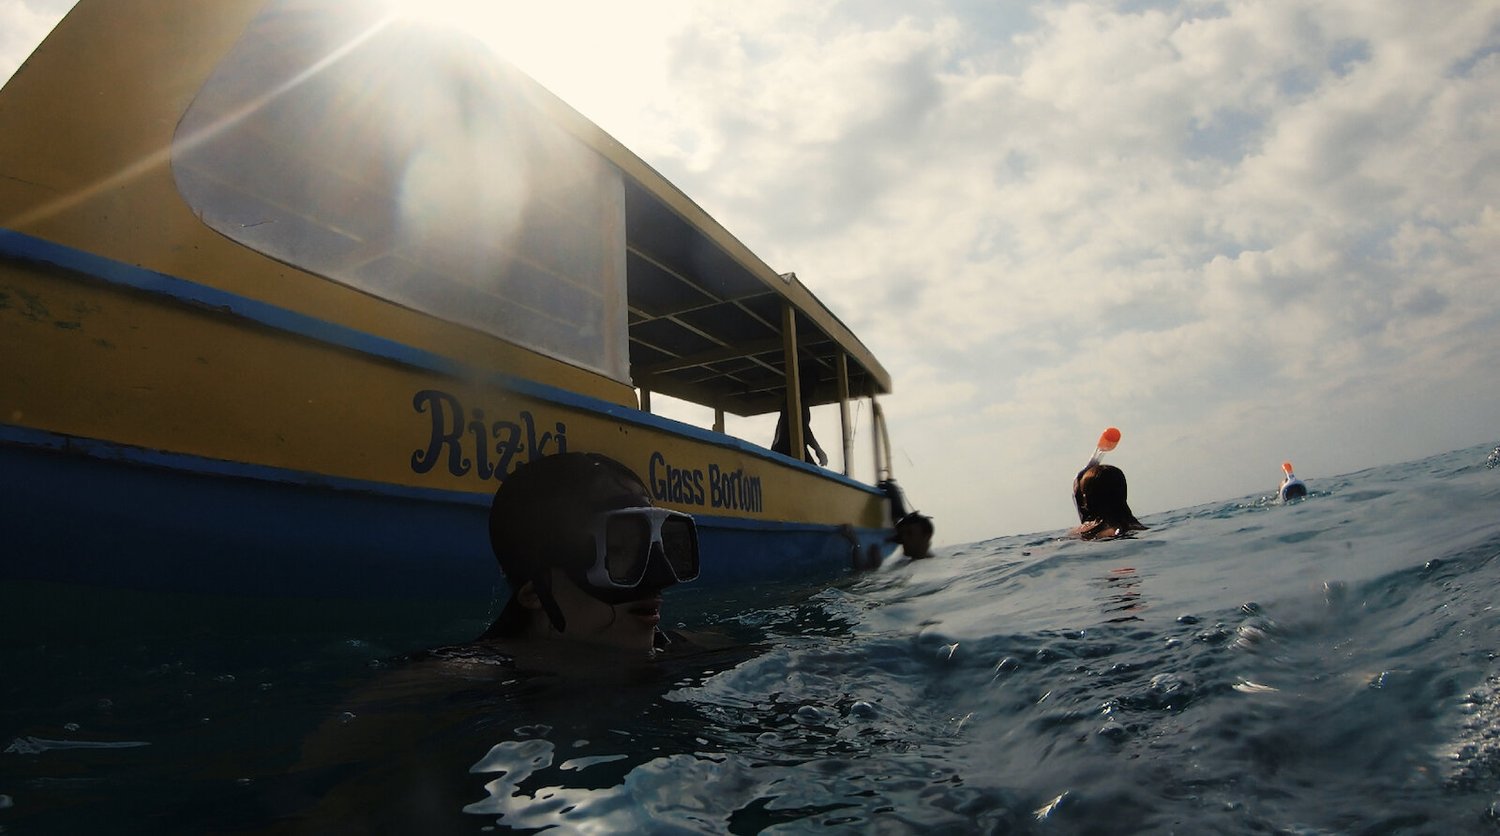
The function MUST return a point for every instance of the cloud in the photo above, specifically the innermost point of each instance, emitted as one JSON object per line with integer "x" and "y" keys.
{"x": 23, "y": 24}
{"x": 1183, "y": 214}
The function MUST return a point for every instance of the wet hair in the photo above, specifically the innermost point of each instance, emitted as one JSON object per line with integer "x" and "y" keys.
{"x": 921, "y": 521}
{"x": 539, "y": 520}
{"x": 1099, "y": 494}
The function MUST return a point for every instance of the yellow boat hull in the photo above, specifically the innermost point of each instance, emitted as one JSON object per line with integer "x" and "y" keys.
{"x": 193, "y": 396}
{"x": 153, "y": 425}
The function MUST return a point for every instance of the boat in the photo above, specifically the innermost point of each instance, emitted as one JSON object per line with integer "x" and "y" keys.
{"x": 288, "y": 288}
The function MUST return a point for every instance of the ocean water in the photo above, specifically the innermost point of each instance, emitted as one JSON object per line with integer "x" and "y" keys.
{"x": 1327, "y": 666}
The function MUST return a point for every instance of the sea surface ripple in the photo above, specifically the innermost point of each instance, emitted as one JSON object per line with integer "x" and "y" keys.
{"x": 1324, "y": 666}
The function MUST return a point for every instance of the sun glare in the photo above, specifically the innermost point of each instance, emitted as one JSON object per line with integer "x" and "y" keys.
{"x": 602, "y": 57}
{"x": 524, "y": 33}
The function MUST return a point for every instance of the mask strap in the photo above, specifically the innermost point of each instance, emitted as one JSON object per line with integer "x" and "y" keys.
{"x": 542, "y": 583}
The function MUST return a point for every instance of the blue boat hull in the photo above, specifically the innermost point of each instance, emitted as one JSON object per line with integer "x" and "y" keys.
{"x": 90, "y": 519}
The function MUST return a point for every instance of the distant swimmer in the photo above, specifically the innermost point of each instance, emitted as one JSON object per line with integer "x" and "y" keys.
{"x": 912, "y": 529}
{"x": 1099, "y": 495}
{"x": 914, "y": 532}
{"x": 1291, "y": 487}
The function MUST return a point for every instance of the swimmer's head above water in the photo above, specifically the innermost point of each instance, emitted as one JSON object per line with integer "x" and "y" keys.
{"x": 585, "y": 553}
{"x": 1099, "y": 495}
{"x": 1291, "y": 487}
{"x": 914, "y": 532}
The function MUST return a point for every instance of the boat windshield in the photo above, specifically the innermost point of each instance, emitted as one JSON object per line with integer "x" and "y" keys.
{"x": 414, "y": 164}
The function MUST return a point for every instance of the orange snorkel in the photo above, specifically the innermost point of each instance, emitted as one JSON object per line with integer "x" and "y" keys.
{"x": 1107, "y": 441}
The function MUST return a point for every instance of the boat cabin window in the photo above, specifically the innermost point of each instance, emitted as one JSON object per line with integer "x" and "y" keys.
{"x": 413, "y": 164}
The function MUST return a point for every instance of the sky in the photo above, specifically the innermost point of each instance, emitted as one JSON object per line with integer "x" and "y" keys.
{"x": 1240, "y": 232}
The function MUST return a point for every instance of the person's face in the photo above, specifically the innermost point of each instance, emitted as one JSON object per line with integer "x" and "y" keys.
{"x": 628, "y": 626}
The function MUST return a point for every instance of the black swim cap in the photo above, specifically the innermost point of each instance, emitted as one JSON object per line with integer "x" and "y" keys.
{"x": 540, "y": 515}
{"x": 540, "y": 518}
{"x": 915, "y": 518}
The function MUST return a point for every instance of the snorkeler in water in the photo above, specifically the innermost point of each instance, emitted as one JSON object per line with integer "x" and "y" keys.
{"x": 1099, "y": 495}
{"x": 914, "y": 532}
{"x": 586, "y": 554}
{"x": 1291, "y": 487}
{"x": 911, "y": 529}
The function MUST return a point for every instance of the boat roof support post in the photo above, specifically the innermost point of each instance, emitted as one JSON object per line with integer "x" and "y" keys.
{"x": 880, "y": 441}
{"x": 718, "y": 419}
{"x": 842, "y": 367}
{"x": 798, "y": 447}
{"x": 645, "y": 399}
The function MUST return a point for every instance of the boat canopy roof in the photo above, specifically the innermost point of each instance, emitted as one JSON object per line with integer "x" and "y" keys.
{"x": 707, "y": 326}
{"x": 706, "y": 314}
